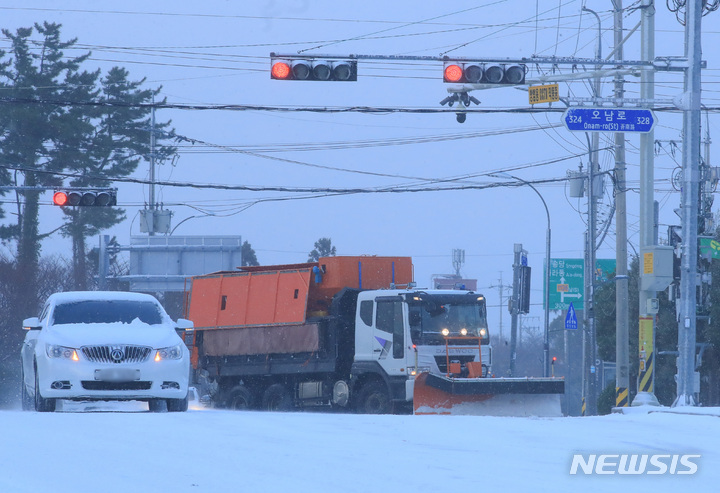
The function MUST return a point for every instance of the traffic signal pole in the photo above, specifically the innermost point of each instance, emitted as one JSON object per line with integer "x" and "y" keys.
{"x": 515, "y": 305}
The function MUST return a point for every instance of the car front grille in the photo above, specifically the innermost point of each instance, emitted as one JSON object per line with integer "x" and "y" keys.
{"x": 97, "y": 385}
{"x": 116, "y": 353}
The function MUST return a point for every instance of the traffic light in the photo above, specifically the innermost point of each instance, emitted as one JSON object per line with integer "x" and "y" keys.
{"x": 85, "y": 197}
{"x": 524, "y": 291}
{"x": 299, "y": 68}
{"x": 483, "y": 73}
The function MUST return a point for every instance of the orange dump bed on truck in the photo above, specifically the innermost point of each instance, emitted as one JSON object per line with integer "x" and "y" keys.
{"x": 287, "y": 294}
{"x": 276, "y": 301}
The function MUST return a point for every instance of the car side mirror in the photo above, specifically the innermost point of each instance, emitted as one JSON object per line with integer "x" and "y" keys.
{"x": 32, "y": 323}
{"x": 184, "y": 324}
{"x": 185, "y": 329}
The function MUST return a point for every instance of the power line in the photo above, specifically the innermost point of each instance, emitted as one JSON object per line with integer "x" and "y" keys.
{"x": 249, "y": 188}
{"x": 310, "y": 109}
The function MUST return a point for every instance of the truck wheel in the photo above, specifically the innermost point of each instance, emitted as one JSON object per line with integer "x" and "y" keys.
{"x": 276, "y": 398}
{"x": 374, "y": 399}
{"x": 239, "y": 398}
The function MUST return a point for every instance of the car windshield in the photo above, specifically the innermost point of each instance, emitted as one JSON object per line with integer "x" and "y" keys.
{"x": 107, "y": 311}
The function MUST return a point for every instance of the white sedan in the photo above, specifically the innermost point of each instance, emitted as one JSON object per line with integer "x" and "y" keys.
{"x": 94, "y": 345}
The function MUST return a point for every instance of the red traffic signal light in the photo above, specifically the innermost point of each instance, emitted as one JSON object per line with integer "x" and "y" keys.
{"x": 280, "y": 70}
{"x": 83, "y": 197}
{"x": 294, "y": 68}
{"x": 60, "y": 198}
{"x": 483, "y": 73}
{"x": 453, "y": 73}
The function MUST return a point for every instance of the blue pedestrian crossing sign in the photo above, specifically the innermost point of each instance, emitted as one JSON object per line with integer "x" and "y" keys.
{"x": 571, "y": 318}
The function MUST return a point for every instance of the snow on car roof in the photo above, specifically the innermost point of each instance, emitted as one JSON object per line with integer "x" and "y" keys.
{"x": 72, "y": 296}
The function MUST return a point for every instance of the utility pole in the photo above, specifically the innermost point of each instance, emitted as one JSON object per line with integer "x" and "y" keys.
{"x": 589, "y": 352}
{"x": 622, "y": 318}
{"x": 646, "y": 343}
{"x": 103, "y": 262}
{"x": 687, "y": 378}
{"x": 151, "y": 231}
{"x": 501, "y": 296}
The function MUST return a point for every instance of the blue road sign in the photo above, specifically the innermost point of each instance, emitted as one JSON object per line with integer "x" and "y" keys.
{"x": 580, "y": 119}
{"x": 571, "y": 318}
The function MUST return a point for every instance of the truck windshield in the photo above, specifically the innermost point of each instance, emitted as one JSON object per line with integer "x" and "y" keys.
{"x": 106, "y": 311}
{"x": 429, "y": 320}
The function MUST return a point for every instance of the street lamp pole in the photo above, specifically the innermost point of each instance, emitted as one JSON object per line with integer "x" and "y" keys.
{"x": 546, "y": 300}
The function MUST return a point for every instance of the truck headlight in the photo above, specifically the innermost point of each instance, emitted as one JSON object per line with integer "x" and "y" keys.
{"x": 173, "y": 352}
{"x": 61, "y": 352}
{"x": 414, "y": 372}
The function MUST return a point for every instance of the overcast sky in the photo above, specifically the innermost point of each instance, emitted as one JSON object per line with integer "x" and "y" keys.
{"x": 217, "y": 53}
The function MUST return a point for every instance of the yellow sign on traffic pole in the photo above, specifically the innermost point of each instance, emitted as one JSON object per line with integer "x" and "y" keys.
{"x": 544, "y": 94}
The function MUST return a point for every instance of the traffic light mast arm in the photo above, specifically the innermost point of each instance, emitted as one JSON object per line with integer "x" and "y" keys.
{"x": 659, "y": 63}
{"x": 12, "y": 188}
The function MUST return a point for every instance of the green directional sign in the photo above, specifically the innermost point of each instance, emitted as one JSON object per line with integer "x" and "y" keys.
{"x": 567, "y": 283}
{"x": 709, "y": 248}
{"x": 605, "y": 269}
{"x": 567, "y": 280}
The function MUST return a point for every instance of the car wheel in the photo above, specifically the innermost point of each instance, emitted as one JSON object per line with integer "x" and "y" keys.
{"x": 276, "y": 398}
{"x": 239, "y": 398}
{"x": 27, "y": 400}
{"x": 42, "y": 405}
{"x": 374, "y": 399}
{"x": 177, "y": 405}
{"x": 157, "y": 405}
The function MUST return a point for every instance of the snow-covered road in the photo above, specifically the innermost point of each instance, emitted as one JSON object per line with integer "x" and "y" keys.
{"x": 120, "y": 448}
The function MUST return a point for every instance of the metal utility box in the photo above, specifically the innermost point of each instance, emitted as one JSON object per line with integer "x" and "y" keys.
{"x": 656, "y": 267}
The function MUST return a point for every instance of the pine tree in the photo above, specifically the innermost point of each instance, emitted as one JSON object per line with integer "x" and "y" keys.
{"x": 37, "y": 134}
{"x": 115, "y": 146}
{"x": 61, "y": 119}
{"x": 323, "y": 248}
{"x": 248, "y": 255}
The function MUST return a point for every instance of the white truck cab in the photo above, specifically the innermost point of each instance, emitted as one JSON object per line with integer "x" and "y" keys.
{"x": 399, "y": 333}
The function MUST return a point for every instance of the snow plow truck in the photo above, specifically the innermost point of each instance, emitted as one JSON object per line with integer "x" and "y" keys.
{"x": 353, "y": 333}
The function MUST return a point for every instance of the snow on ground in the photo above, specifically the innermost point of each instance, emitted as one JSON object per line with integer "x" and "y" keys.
{"x": 119, "y": 447}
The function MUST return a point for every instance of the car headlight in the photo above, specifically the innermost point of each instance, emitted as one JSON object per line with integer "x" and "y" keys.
{"x": 173, "y": 352}
{"x": 61, "y": 352}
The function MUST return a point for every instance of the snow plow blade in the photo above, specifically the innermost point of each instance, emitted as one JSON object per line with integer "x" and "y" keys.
{"x": 438, "y": 394}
